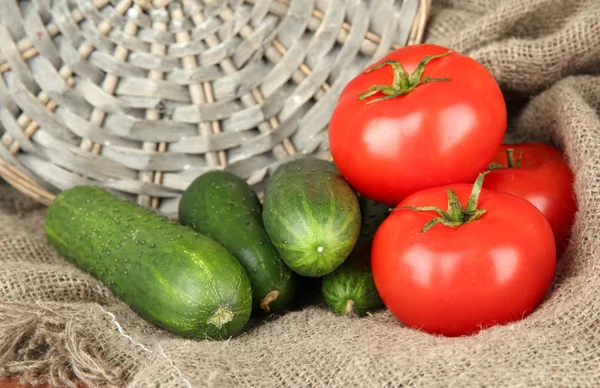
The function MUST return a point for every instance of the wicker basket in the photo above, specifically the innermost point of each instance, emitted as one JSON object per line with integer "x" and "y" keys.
{"x": 142, "y": 96}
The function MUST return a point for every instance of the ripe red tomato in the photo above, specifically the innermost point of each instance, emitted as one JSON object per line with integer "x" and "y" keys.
{"x": 446, "y": 129}
{"x": 455, "y": 280}
{"x": 539, "y": 173}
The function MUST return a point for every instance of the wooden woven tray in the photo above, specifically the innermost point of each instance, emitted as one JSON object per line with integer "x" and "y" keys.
{"x": 142, "y": 96}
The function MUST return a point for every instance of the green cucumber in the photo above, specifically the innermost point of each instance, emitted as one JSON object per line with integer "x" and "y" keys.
{"x": 350, "y": 290}
{"x": 312, "y": 215}
{"x": 167, "y": 273}
{"x": 224, "y": 207}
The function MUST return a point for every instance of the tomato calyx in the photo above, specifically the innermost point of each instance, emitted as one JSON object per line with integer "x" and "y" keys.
{"x": 403, "y": 83}
{"x": 510, "y": 160}
{"x": 455, "y": 215}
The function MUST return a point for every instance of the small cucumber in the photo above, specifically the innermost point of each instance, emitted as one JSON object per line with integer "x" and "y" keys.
{"x": 350, "y": 290}
{"x": 224, "y": 207}
{"x": 167, "y": 273}
{"x": 312, "y": 215}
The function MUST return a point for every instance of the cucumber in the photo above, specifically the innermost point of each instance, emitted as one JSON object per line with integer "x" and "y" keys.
{"x": 167, "y": 273}
{"x": 311, "y": 214}
{"x": 350, "y": 290}
{"x": 224, "y": 207}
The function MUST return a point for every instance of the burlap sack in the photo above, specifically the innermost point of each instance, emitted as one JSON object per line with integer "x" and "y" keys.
{"x": 58, "y": 325}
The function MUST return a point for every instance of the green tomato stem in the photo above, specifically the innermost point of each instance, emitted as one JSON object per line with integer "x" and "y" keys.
{"x": 455, "y": 215}
{"x": 403, "y": 82}
{"x": 510, "y": 161}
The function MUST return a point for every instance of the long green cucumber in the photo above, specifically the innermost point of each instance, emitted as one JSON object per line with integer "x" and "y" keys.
{"x": 167, "y": 273}
{"x": 350, "y": 290}
{"x": 223, "y": 206}
{"x": 312, "y": 215}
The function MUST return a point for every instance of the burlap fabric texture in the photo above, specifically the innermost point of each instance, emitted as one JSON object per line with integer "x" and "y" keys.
{"x": 58, "y": 325}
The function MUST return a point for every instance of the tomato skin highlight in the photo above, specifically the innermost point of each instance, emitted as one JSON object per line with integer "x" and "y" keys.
{"x": 439, "y": 133}
{"x": 543, "y": 178}
{"x": 457, "y": 281}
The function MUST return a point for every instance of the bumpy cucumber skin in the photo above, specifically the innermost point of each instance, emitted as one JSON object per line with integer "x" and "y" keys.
{"x": 353, "y": 280}
{"x": 351, "y": 283}
{"x": 312, "y": 215}
{"x": 224, "y": 207}
{"x": 167, "y": 273}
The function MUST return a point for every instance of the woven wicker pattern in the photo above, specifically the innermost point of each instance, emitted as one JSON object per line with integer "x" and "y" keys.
{"x": 142, "y": 96}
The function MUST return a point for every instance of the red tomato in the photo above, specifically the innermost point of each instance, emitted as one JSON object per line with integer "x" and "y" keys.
{"x": 541, "y": 175}
{"x": 457, "y": 280}
{"x": 439, "y": 132}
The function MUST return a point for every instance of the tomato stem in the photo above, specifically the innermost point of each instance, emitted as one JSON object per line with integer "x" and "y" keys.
{"x": 403, "y": 82}
{"x": 455, "y": 215}
{"x": 510, "y": 161}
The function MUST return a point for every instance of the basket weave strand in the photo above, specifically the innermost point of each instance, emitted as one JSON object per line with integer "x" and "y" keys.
{"x": 142, "y": 96}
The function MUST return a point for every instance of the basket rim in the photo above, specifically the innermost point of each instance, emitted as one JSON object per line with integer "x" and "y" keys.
{"x": 28, "y": 186}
